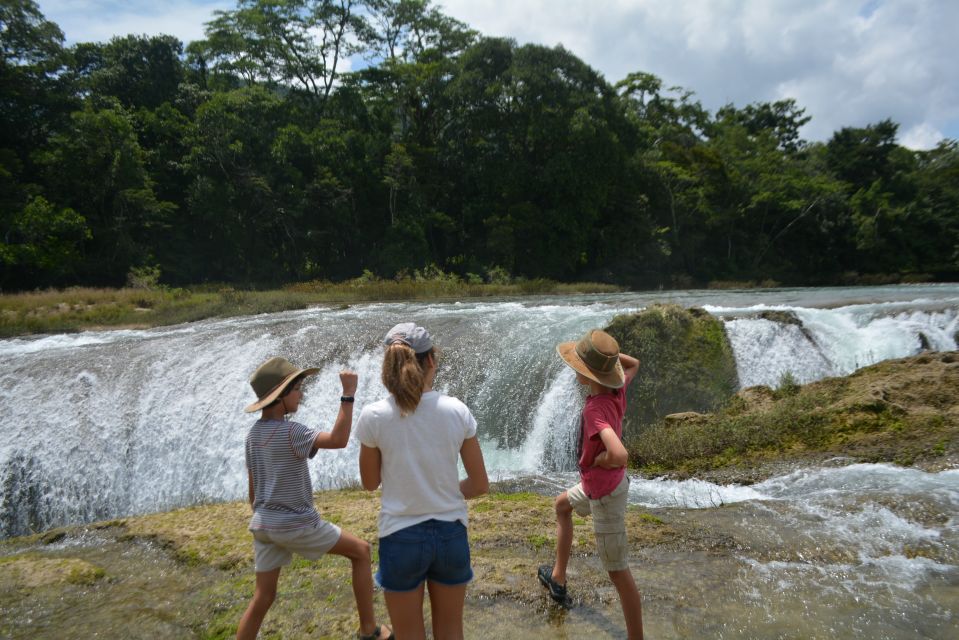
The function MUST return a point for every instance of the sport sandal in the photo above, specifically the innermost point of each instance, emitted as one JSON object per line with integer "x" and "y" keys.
{"x": 375, "y": 635}
{"x": 557, "y": 591}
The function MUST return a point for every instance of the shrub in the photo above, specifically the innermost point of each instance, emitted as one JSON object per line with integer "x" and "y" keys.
{"x": 145, "y": 277}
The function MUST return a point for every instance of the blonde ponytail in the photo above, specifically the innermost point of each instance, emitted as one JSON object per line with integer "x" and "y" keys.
{"x": 404, "y": 375}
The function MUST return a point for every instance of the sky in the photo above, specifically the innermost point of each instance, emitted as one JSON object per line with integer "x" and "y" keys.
{"x": 848, "y": 63}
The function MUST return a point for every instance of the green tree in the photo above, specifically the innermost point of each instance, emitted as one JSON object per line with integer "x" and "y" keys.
{"x": 669, "y": 167}
{"x": 293, "y": 45}
{"x": 32, "y": 101}
{"x": 98, "y": 169}
{"x": 880, "y": 180}
{"x": 407, "y": 100}
{"x": 412, "y": 30}
{"x": 534, "y": 140}
{"x": 936, "y": 209}
{"x": 41, "y": 245}
{"x": 244, "y": 229}
{"x": 782, "y": 217}
{"x": 670, "y": 115}
{"x": 139, "y": 71}
{"x": 781, "y": 119}
{"x": 859, "y": 156}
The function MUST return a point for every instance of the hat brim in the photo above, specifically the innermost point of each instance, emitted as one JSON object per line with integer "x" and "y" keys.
{"x": 614, "y": 379}
{"x": 278, "y": 389}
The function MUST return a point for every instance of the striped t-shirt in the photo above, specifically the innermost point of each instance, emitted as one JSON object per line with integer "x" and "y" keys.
{"x": 276, "y": 453}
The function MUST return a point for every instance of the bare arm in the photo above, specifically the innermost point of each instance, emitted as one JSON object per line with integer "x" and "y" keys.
{"x": 615, "y": 455}
{"x": 249, "y": 478}
{"x": 630, "y": 366}
{"x": 475, "y": 483}
{"x": 371, "y": 461}
{"x": 340, "y": 435}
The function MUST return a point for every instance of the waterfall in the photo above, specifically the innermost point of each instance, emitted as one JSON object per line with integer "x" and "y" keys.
{"x": 112, "y": 423}
{"x": 832, "y": 342}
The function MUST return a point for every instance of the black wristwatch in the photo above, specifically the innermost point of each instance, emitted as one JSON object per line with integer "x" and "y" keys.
{"x": 346, "y": 398}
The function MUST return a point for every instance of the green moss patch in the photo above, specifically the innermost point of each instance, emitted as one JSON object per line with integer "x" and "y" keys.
{"x": 31, "y": 571}
{"x": 218, "y": 534}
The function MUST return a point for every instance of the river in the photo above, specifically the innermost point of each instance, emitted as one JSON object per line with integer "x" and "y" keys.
{"x": 113, "y": 423}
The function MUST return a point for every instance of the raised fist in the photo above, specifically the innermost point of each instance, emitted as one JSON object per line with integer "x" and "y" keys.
{"x": 348, "y": 379}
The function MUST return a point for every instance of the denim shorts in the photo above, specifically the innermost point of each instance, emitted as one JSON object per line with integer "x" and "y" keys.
{"x": 434, "y": 550}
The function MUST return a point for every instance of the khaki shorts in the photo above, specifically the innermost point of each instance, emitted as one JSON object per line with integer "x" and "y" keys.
{"x": 609, "y": 522}
{"x": 273, "y": 549}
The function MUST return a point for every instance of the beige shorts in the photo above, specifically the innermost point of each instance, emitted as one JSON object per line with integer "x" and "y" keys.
{"x": 273, "y": 549}
{"x": 609, "y": 522}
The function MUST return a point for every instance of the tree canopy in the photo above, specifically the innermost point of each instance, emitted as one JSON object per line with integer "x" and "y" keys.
{"x": 321, "y": 139}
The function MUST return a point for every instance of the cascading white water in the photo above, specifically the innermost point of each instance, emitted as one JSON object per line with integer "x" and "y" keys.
{"x": 832, "y": 342}
{"x": 112, "y": 423}
{"x": 116, "y": 423}
{"x": 869, "y": 550}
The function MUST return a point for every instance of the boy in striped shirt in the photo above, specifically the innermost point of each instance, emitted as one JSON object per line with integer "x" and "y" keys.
{"x": 284, "y": 519}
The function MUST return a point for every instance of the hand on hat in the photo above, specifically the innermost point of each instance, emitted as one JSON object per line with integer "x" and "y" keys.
{"x": 348, "y": 379}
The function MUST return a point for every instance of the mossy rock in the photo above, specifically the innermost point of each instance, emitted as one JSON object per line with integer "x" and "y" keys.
{"x": 781, "y": 317}
{"x": 686, "y": 362}
{"x": 904, "y": 411}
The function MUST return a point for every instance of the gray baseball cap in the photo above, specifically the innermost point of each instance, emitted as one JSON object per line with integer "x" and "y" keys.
{"x": 417, "y": 338}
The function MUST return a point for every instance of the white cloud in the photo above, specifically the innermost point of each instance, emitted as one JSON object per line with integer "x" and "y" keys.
{"x": 847, "y": 62}
{"x": 100, "y": 20}
{"x": 921, "y": 136}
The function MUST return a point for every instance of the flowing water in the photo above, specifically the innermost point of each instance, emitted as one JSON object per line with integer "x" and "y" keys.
{"x": 106, "y": 424}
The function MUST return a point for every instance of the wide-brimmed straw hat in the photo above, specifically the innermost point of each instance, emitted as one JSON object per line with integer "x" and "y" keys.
{"x": 271, "y": 378}
{"x": 596, "y": 356}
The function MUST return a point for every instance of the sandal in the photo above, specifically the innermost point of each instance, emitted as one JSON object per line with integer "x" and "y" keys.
{"x": 557, "y": 591}
{"x": 375, "y": 635}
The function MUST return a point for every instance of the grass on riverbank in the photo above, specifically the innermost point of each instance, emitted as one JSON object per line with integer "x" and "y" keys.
{"x": 511, "y": 535}
{"x": 903, "y": 411}
{"x": 76, "y": 309}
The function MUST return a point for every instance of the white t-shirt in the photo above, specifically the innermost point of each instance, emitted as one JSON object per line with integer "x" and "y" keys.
{"x": 419, "y": 458}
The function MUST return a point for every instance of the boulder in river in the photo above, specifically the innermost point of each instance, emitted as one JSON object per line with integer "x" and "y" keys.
{"x": 686, "y": 362}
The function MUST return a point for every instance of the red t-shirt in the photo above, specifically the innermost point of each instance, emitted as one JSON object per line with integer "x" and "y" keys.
{"x": 601, "y": 411}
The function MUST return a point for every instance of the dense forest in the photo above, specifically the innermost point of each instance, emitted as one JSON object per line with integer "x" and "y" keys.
{"x": 255, "y": 157}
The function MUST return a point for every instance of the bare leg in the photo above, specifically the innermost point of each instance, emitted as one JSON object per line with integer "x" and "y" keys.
{"x": 630, "y": 601}
{"x": 564, "y": 536}
{"x": 358, "y": 552}
{"x": 447, "y": 603}
{"x": 263, "y": 596}
{"x": 406, "y": 613}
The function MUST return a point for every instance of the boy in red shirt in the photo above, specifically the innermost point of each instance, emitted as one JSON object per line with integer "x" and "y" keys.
{"x": 604, "y": 485}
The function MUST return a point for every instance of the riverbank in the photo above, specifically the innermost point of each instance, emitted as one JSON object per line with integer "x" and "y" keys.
{"x": 148, "y": 304}
{"x": 198, "y": 570}
{"x": 753, "y": 569}
{"x": 83, "y": 308}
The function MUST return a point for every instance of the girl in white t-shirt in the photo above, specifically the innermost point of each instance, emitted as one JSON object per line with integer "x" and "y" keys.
{"x": 411, "y": 442}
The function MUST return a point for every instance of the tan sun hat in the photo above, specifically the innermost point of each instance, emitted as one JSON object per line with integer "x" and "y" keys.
{"x": 271, "y": 378}
{"x": 596, "y": 356}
